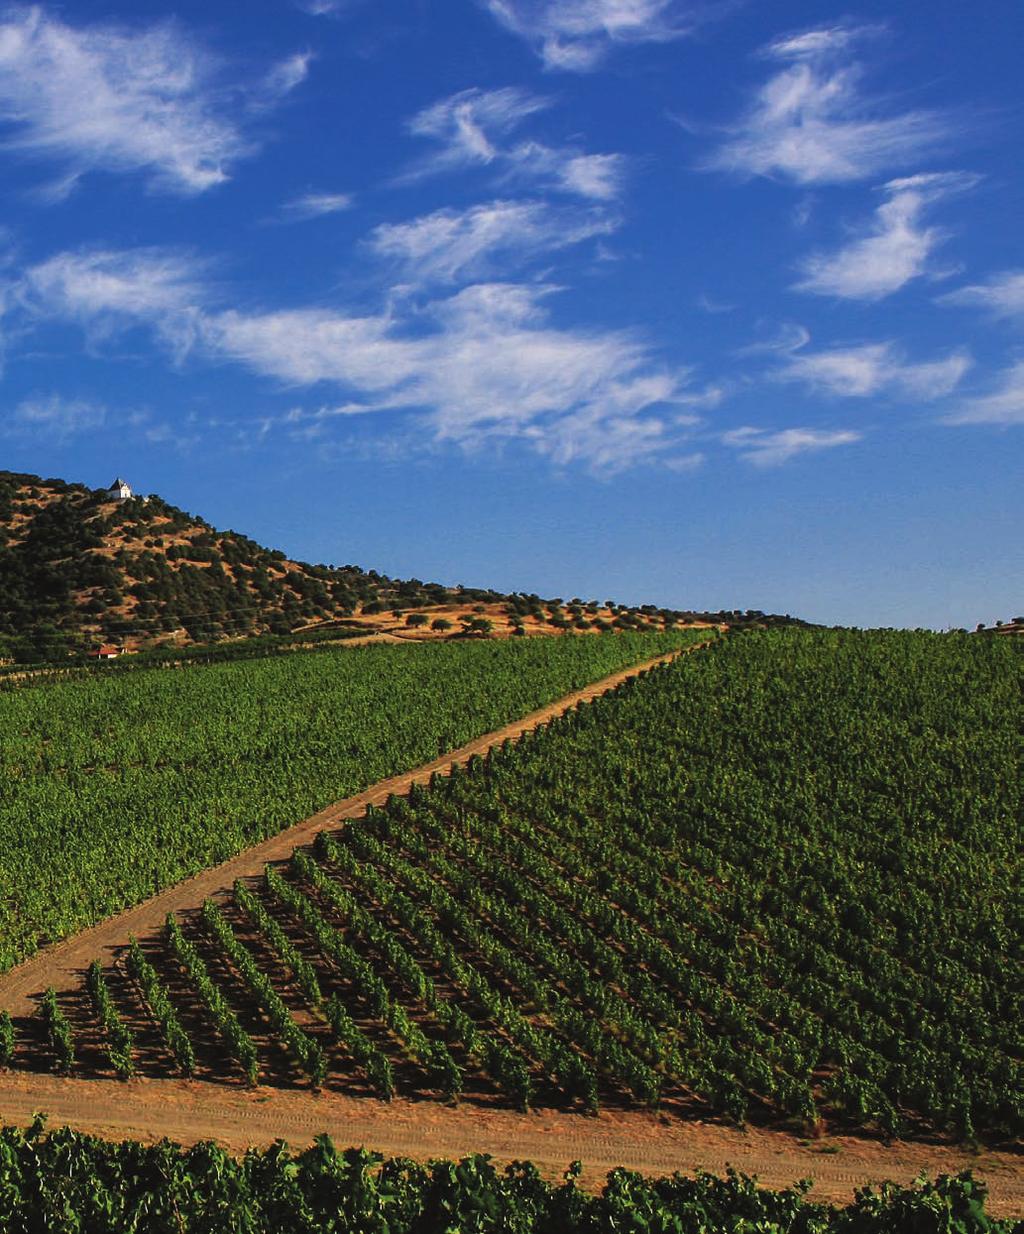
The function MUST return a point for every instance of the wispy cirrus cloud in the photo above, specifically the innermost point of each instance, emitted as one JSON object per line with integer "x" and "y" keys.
{"x": 306, "y": 346}
{"x": 475, "y": 128}
{"x": 813, "y": 123}
{"x": 326, "y": 8}
{"x": 469, "y": 127}
{"x": 895, "y": 249}
{"x": 97, "y": 284}
{"x": 320, "y": 8}
{"x": 485, "y": 365}
{"x": 597, "y": 176}
{"x": 1002, "y": 294}
{"x": 315, "y": 205}
{"x": 283, "y": 77}
{"x": 108, "y": 290}
{"x": 708, "y": 304}
{"x": 489, "y": 368}
{"x": 54, "y": 417}
{"x": 786, "y": 337}
{"x": 765, "y": 448}
{"x": 1003, "y": 404}
{"x": 452, "y": 244}
{"x": 107, "y": 98}
{"x": 578, "y": 34}
{"x": 874, "y": 369}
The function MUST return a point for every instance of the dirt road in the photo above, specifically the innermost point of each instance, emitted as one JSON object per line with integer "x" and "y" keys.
{"x": 64, "y": 964}
{"x": 236, "y": 1117}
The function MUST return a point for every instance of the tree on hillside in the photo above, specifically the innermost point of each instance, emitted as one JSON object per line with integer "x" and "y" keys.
{"x": 477, "y": 625}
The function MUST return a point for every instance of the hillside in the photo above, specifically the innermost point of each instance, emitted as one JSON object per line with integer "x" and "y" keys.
{"x": 1015, "y": 625}
{"x": 79, "y": 568}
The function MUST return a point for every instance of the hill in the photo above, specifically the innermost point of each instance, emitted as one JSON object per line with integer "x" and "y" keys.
{"x": 1015, "y": 625}
{"x": 79, "y": 567}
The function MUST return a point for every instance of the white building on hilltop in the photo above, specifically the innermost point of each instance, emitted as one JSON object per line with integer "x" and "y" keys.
{"x": 120, "y": 491}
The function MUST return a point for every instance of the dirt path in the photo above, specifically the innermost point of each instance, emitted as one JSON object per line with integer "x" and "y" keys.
{"x": 236, "y": 1117}
{"x": 63, "y": 965}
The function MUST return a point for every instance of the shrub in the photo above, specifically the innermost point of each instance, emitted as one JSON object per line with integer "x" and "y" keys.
{"x": 6, "y": 1039}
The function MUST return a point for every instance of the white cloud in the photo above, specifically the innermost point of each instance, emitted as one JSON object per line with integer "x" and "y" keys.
{"x": 895, "y": 249}
{"x": 874, "y": 368}
{"x": 598, "y": 176}
{"x": 307, "y": 346}
{"x": 474, "y": 129}
{"x": 803, "y": 211}
{"x": 284, "y": 76}
{"x": 132, "y": 282}
{"x": 468, "y": 126}
{"x": 489, "y": 367}
{"x": 106, "y": 98}
{"x": 770, "y": 449}
{"x": 1002, "y": 294}
{"x": 684, "y": 464}
{"x": 314, "y": 205}
{"x": 325, "y": 412}
{"x": 325, "y": 8}
{"x": 812, "y": 124}
{"x": 577, "y": 34}
{"x": 1003, "y": 405}
{"x": 788, "y": 336}
{"x": 607, "y": 443}
{"x": 482, "y": 366}
{"x": 815, "y": 45}
{"x": 108, "y": 290}
{"x": 708, "y": 304}
{"x": 451, "y": 244}
{"x": 55, "y": 418}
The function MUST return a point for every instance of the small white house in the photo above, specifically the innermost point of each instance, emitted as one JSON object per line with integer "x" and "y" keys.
{"x": 120, "y": 491}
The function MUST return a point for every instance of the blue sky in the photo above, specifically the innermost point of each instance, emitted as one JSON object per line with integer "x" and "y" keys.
{"x": 708, "y": 305}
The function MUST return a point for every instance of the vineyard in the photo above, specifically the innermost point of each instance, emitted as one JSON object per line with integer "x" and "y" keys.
{"x": 114, "y": 788}
{"x": 64, "y": 1181}
{"x": 779, "y": 879}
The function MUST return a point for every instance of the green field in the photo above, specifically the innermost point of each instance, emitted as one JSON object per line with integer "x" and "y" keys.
{"x": 113, "y": 788}
{"x": 779, "y": 879}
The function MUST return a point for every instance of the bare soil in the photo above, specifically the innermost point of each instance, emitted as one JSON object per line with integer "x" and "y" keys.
{"x": 188, "y": 1111}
